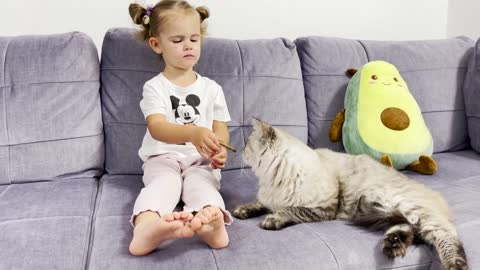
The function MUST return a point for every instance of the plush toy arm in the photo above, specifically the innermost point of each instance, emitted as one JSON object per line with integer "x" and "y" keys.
{"x": 335, "y": 133}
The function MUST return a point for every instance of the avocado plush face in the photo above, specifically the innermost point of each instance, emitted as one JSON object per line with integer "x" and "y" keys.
{"x": 382, "y": 117}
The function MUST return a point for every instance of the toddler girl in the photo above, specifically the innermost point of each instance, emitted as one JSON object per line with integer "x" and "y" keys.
{"x": 186, "y": 117}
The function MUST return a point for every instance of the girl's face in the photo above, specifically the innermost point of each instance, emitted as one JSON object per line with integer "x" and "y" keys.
{"x": 179, "y": 40}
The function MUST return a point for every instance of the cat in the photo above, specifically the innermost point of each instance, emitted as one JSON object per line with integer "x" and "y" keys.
{"x": 298, "y": 184}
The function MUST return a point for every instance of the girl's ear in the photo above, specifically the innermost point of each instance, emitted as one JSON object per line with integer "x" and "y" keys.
{"x": 155, "y": 45}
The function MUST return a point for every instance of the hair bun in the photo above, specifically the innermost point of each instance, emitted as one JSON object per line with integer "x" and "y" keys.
{"x": 204, "y": 13}
{"x": 137, "y": 12}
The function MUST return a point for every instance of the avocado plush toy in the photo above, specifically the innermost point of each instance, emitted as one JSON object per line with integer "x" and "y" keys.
{"x": 382, "y": 119}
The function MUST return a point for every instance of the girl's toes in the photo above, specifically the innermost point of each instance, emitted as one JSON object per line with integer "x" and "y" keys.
{"x": 203, "y": 219}
{"x": 168, "y": 217}
{"x": 196, "y": 223}
{"x": 186, "y": 216}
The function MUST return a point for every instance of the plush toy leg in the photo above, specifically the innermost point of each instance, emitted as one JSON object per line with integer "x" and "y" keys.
{"x": 335, "y": 133}
{"x": 387, "y": 161}
{"x": 424, "y": 165}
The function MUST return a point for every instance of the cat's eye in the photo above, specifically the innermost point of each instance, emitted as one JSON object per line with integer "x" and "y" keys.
{"x": 395, "y": 79}
{"x": 376, "y": 204}
{"x": 374, "y": 77}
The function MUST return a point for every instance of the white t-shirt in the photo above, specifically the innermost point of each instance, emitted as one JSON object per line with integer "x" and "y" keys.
{"x": 198, "y": 104}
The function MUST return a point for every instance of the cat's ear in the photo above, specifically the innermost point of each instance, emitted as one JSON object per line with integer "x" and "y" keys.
{"x": 256, "y": 123}
{"x": 268, "y": 132}
{"x": 259, "y": 124}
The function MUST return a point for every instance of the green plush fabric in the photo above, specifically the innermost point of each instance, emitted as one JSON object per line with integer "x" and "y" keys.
{"x": 364, "y": 131}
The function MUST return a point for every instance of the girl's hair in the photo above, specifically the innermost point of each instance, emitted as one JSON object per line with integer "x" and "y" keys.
{"x": 152, "y": 22}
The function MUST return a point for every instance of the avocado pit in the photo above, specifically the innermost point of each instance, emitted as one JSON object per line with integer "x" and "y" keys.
{"x": 395, "y": 118}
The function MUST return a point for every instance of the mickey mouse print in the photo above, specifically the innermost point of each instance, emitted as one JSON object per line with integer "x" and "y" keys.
{"x": 186, "y": 111}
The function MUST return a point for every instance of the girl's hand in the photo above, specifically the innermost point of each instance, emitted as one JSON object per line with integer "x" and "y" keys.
{"x": 205, "y": 141}
{"x": 219, "y": 159}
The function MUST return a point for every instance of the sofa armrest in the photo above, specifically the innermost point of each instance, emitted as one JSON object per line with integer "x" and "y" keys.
{"x": 472, "y": 97}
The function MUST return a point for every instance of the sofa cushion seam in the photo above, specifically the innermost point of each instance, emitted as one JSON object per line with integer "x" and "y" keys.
{"x": 401, "y": 71}
{"x": 60, "y": 139}
{"x": 91, "y": 236}
{"x": 365, "y": 50}
{"x": 214, "y": 258}
{"x": 5, "y": 110}
{"x": 319, "y": 237}
{"x": 10, "y": 220}
{"x": 5, "y": 190}
{"x": 59, "y": 82}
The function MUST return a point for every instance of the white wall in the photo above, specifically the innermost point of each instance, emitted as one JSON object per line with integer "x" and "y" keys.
{"x": 463, "y": 18}
{"x": 246, "y": 19}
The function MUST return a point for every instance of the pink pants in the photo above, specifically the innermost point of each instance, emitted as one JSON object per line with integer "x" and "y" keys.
{"x": 169, "y": 178}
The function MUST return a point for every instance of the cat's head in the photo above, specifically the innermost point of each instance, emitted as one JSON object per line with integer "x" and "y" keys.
{"x": 263, "y": 140}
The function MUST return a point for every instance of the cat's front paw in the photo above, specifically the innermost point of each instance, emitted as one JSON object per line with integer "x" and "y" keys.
{"x": 272, "y": 222}
{"x": 241, "y": 212}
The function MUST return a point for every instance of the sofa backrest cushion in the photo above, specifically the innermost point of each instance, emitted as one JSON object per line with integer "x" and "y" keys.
{"x": 50, "y": 113}
{"x": 472, "y": 97}
{"x": 260, "y": 78}
{"x": 434, "y": 71}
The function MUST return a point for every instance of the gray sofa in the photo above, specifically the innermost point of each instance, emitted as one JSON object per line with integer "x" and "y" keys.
{"x": 70, "y": 128}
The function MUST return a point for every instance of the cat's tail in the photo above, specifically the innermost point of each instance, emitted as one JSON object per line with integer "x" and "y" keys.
{"x": 443, "y": 236}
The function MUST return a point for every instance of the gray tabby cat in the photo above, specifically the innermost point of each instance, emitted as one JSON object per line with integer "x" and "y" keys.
{"x": 298, "y": 184}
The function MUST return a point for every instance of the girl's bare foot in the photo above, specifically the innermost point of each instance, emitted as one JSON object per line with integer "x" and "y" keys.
{"x": 209, "y": 225}
{"x": 150, "y": 233}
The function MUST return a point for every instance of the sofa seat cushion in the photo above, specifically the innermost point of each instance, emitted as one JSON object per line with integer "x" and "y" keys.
{"x": 46, "y": 225}
{"x": 471, "y": 92}
{"x": 328, "y": 245}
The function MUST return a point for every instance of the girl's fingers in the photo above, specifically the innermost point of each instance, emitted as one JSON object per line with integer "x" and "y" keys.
{"x": 214, "y": 165}
{"x": 201, "y": 152}
{"x": 206, "y": 150}
{"x": 215, "y": 140}
{"x": 219, "y": 164}
{"x": 213, "y": 147}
